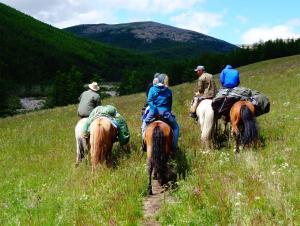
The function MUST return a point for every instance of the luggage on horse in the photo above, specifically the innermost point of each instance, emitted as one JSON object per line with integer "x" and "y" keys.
{"x": 123, "y": 131}
{"x": 262, "y": 103}
{"x": 111, "y": 113}
{"x": 225, "y": 98}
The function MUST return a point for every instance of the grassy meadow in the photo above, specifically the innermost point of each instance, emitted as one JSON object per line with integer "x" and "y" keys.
{"x": 40, "y": 185}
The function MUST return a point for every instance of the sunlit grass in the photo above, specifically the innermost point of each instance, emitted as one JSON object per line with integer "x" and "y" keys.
{"x": 40, "y": 185}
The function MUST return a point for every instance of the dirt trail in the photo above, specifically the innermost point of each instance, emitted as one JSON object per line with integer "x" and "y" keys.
{"x": 153, "y": 203}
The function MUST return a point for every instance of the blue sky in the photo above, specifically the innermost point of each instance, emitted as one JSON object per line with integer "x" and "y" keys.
{"x": 237, "y": 22}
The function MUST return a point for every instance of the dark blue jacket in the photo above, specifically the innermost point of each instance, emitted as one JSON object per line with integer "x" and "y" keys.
{"x": 160, "y": 99}
{"x": 230, "y": 77}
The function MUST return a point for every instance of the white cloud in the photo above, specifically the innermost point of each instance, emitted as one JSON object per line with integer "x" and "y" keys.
{"x": 62, "y": 13}
{"x": 198, "y": 21}
{"x": 150, "y": 6}
{"x": 265, "y": 33}
{"x": 91, "y": 17}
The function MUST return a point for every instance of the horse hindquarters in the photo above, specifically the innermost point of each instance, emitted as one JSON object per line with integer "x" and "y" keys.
{"x": 250, "y": 130}
{"x": 206, "y": 120}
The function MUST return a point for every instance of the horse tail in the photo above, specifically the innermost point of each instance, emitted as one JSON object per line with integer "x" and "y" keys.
{"x": 97, "y": 147}
{"x": 159, "y": 155}
{"x": 250, "y": 130}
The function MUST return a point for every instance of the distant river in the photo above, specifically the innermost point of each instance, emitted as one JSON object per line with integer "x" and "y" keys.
{"x": 31, "y": 103}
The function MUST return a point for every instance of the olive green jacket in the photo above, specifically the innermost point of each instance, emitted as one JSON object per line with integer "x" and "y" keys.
{"x": 206, "y": 86}
{"x": 88, "y": 100}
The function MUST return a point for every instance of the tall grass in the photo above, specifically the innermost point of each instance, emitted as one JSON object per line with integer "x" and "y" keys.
{"x": 40, "y": 185}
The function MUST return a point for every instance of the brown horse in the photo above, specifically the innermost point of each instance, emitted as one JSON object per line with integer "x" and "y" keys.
{"x": 242, "y": 118}
{"x": 159, "y": 140}
{"x": 102, "y": 137}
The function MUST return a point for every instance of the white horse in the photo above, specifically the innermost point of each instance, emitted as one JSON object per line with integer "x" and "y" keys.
{"x": 81, "y": 145}
{"x": 206, "y": 119}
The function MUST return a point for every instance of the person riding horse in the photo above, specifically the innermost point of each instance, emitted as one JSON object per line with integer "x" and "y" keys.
{"x": 160, "y": 106}
{"x": 206, "y": 87}
{"x": 88, "y": 100}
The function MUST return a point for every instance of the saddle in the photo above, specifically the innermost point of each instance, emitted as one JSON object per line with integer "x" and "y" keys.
{"x": 160, "y": 118}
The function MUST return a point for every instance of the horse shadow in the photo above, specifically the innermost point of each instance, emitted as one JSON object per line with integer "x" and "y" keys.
{"x": 178, "y": 168}
{"x": 120, "y": 152}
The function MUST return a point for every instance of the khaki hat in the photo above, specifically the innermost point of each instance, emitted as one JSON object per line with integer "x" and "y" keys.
{"x": 94, "y": 86}
{"x": 199, "y": 67}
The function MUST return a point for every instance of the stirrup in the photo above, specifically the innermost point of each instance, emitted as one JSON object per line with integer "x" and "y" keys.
{"x": 193, "y": 115}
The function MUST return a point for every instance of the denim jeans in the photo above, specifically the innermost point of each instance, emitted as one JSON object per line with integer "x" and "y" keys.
{"x": 172, "y": 121}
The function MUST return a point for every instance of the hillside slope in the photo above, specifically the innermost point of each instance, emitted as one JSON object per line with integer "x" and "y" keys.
{"x": 32, "y": 51}
{"x": 39, "y": 184}
{"x": 153, "y": 38}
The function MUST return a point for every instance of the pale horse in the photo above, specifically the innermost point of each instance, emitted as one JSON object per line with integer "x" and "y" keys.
{"x": 206, "y": 119}
{"x": 81, "y": 145}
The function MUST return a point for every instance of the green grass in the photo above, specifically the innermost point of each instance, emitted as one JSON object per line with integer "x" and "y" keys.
{"x": 40, "y": 185}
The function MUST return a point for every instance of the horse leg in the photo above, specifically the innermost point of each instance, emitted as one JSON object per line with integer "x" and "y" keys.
{"x": 237, "y": 137}
{"x": 109, "y": 156}
{"x": 79, "y": 150}
{"x": 150, "y": 169}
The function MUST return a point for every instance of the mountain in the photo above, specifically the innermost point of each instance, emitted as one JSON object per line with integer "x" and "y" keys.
{"x": 32, "y": 52}
{"x": 153, "y": 38}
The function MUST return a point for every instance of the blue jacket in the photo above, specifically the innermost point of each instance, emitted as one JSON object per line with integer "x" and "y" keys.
{"x": 160, "y": 99}
{"x": 230, "y": 77}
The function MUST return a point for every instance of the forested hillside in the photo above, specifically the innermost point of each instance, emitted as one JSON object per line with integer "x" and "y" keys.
{"x": 32, "y": 52}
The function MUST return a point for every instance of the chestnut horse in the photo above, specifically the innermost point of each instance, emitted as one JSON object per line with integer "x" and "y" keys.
{"x": 243, "y": 123}
{"x": 102, "y": 136}
{"x": 206, "y": 119}
{"x": 159, "y": 140}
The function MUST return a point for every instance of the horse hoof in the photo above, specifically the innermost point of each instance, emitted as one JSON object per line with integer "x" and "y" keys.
{"x": 150, "y": 192}
{"x": 77, "y": 164}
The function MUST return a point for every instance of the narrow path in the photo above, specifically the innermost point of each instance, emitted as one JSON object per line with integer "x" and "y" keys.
{"x": 153, "y": 203}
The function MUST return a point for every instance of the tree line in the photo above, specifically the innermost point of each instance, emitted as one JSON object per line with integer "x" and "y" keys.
{"x": 66, "y": 85}
{"x": 182, "y": 70}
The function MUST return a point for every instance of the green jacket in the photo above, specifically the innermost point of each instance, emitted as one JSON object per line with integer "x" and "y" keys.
{"x": 88, "y": 100}
{"x": 110, "y": 112}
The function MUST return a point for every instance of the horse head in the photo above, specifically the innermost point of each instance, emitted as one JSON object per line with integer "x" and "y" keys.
{"x": 194, "y": 104}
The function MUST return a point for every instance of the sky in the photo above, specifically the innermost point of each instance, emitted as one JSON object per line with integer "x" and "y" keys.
{"x": 234, "y": 21}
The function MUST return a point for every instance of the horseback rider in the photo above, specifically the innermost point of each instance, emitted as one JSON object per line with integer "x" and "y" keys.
{"x": 229, "y": 77}
{"x": 160, "y": 103}
{"x": 206, "y": 87}
{"x": 88, "y": 100}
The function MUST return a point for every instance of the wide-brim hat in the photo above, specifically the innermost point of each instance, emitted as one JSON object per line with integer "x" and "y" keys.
{"x": 199, "y": 67}
{"x": 94, "y": 86}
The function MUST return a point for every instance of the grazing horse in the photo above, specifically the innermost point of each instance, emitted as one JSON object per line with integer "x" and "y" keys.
{"x": 81, "y": 145}
{"x": 159, "y": 141}
{"x": 206, "y": 119}
{"x": 102, "y": 136}
{"x": 243, "y": 123}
